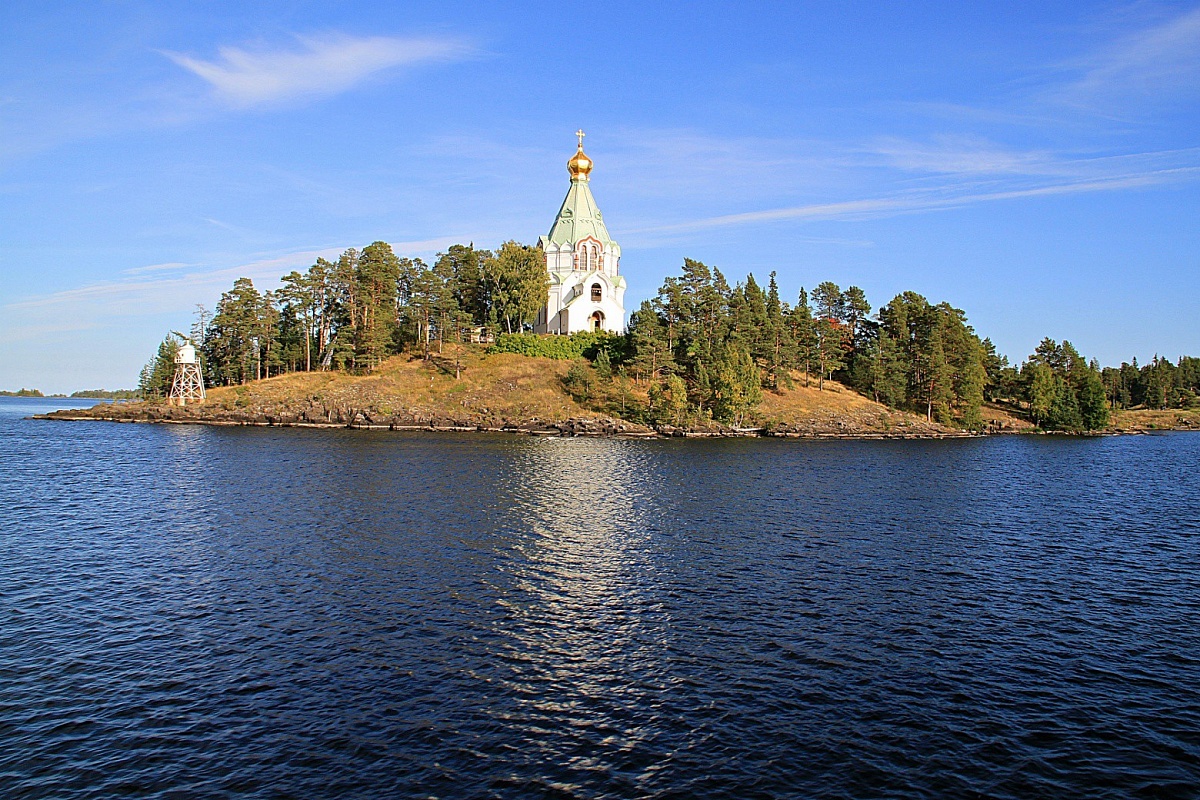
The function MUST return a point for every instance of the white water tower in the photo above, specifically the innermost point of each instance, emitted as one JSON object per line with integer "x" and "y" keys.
{"x": 188, "y": 384}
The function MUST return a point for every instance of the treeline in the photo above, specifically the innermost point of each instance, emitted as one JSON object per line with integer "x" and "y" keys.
{"x": 701, "y": 349}
{"x": 1159, "y": 384}
{"x": 353, "y": 313}
{"x": 710, "y": 348}
{"x": 107, "y": 394}
{"x": 1058, "y": 387}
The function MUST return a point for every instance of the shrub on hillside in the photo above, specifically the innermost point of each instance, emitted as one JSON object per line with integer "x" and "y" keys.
{"x": 584, "y": 344}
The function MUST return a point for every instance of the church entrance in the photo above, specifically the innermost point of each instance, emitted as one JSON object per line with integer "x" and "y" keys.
{"x": 597, "y": 321}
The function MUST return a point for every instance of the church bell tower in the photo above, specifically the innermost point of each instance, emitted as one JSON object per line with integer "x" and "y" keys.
{"x": 586, "y": 290}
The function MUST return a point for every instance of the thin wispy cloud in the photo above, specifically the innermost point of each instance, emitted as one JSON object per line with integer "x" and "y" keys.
{"x": 1158, "y": 61}
{"x": 149, "y": 293}
{"x": 314, "y": 66}
{"x": 922, "y": 201}
{"x": 971, "y": 157}
{"x": 157, "y": 293}
{"x": 168, "y": 267}
{"x": 223, "y": 225}
{"x": 962, "y": 155}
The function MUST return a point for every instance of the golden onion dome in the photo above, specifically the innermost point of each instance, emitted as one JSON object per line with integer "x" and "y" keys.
{"x": 580, "y": 166}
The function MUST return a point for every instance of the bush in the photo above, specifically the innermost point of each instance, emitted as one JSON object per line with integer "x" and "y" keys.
{"x": 577, "y": 381}
{"x": 584, "y": 344}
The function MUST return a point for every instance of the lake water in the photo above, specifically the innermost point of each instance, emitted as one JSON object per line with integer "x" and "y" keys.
{"x": 231, "y": 612}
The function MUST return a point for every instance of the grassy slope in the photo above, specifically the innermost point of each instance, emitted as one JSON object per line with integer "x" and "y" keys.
{"x": 506, "y": 388}
{"x": 492, "y": 388}
{"x": 835, "y": 409}
{"x": 1146, "y": 419}
{"x": 500, "y": 390}
{"x": 1011, "y": 419}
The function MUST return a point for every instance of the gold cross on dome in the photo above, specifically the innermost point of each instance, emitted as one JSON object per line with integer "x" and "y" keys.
{"x": 580, "y": 134}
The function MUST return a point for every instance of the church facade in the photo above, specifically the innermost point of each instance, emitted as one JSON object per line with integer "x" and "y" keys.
{"x": 587, "y": 291}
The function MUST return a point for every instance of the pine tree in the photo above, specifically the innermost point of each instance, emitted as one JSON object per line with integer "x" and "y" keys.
{"x": 830, "y": 348}
{"x": 232, "y": 344}
{"x": 1039, "y": 390}
{"x": 296, "y": 297}
{"x": 781, "y": 347}
{"x": 154, "y": 382}
{"x": 376, "y": 279}
{"x": 463, "y": 267}
{"x": 803, "y": 333}
{"x": 1064, "y": 408}
{"x": 1093, "y": 405}
{"x": 603, "y": 366}
{"x": 650, "y": 350}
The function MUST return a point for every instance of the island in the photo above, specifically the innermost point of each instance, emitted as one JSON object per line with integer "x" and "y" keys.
{"x": 534, "y": 338}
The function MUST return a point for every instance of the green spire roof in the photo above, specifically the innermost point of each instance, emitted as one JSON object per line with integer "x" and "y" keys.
{"x": 579, "y": 217}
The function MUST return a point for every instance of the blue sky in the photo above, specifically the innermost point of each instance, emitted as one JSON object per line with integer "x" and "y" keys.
{"x": 1037, "y": 165}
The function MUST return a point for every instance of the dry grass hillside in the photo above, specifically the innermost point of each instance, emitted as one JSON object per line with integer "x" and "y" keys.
{"x": 835, "y": 409}
{"x": 1142, "y": 419}
{"x": 465, "y": 387}
{"x": 488, "y": 390}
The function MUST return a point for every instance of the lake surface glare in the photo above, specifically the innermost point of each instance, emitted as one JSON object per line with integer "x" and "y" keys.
{"x": 250, "y": 612}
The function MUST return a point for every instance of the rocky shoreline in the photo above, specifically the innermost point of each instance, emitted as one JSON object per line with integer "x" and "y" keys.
{"x": 319, "y": 416}
{"x": 378, "y": 411}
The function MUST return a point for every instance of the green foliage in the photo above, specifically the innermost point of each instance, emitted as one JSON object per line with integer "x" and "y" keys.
{"x": 233, "y": 344}
{"x": 105, "y": 394}
{"x": 888, "y": 378}
{"x": 1093, "y": 405}
{"x": 1002, "y": 380}
{"x": 925, "y": 357}
{"x": 1039, "y": 391}
{"x": 722, "y": 344}
{"x": 578, "y": 380}
{"x": 1064, "y": 408}
{"x": 603, "y": 367}
{"x": 735, "y": 386}
{"x": 26, "y": 393}
{"x": 669, "y": 400}
{"x": 584, "y": 344}
{"x": 516, "y": 284}
{"x": 647, "y": 344}
{"x": 1062, "y": 391}
{"x": 1158, "y": 385}
{"x": 155, "y": 380}
{"x": 376, "y": 281}
{"x": 356, "y": 312}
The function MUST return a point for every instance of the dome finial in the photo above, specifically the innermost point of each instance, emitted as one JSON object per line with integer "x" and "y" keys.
{"x": 580, "y": 166}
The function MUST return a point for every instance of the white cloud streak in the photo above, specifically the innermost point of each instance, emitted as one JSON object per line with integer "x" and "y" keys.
{"x": 168, "y": 267}
{"x": 913, "y": 202}
{"x": 142, "y": 296}
{"x": 1165, "y": 56}
{"x": 962, "y": 155}
{"x": 320, "y": 65}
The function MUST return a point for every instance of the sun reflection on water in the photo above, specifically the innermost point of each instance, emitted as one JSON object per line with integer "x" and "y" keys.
{"x": 586, "y": 584}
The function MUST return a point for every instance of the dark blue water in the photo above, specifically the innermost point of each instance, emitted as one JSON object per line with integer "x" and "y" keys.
{"x": 225, "y": 612}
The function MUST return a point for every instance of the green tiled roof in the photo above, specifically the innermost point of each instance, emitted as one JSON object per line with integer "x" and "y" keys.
{"x": 579, "y": 217}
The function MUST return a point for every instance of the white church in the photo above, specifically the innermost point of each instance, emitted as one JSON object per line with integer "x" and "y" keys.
{"x": 586, "y": 291}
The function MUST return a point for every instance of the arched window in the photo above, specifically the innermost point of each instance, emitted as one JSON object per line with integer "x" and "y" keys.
{"x": 597, "y": 293}
{"x": 587, "y": 256}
